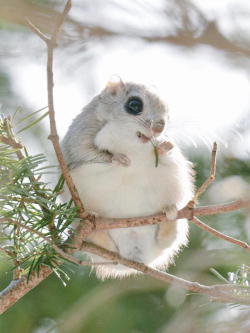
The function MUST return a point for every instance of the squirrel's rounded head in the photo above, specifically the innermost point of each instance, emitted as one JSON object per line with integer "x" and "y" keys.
{"x": 135, "y": 106}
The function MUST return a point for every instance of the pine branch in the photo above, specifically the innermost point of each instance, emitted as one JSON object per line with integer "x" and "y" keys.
{"x": 61, "y": 253}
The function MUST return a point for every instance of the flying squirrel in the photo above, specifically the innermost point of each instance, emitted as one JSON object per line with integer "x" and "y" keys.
{"x": 124, "y": 166}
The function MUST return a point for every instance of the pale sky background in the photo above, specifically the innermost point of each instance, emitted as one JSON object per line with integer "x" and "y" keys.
{"x": 206, "y": 94}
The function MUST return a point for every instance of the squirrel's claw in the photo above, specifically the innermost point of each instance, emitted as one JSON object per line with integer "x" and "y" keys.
{"x": 122, "y": 159}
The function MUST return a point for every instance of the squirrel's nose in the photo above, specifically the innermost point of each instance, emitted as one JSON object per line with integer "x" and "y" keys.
{"x": 158, "y": 126}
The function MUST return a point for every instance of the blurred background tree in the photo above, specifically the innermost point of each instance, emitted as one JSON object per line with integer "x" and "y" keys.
{"x": 196, "y": 54}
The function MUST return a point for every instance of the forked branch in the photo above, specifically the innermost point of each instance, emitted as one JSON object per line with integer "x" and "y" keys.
{"x": 211, "y": 177}
{"x": 51, "y": 43}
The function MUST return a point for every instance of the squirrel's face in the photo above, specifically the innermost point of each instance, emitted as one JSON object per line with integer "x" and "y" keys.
{"x": 136, "y": 107}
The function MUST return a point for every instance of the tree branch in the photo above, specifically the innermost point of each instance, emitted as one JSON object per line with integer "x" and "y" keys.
{"x": 18, "y": 288}
{"x": 210, "y": 36}
{"x": 186, "y": 212}
{"x": 223, "y": 293}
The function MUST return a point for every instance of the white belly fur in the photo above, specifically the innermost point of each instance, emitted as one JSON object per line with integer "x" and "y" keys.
{"x": 141, "y": 189}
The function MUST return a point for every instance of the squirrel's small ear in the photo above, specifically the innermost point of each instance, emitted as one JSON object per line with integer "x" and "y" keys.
{"x": 115, "y": 85}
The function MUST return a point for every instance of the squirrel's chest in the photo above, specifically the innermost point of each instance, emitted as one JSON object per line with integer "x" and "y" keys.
{"x": 118, "y": 191}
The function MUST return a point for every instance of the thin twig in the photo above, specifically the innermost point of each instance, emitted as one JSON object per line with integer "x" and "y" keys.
{"x": 219, "y": 234}
{"x": 37, "y": 31}
{"x": 211, "y": 177}
{"x": 217, "y": 209}
{"x": 53, "y": 129}
{"x": 10, "y": 142}
{"x": 209, "y": 180}
{"x": 61, "y": 19}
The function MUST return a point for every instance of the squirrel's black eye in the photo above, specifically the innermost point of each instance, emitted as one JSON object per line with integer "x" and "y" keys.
{"x": 134, "y": 105}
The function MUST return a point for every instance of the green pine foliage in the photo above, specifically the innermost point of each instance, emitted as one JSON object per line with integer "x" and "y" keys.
{"x": 32, "y": 215}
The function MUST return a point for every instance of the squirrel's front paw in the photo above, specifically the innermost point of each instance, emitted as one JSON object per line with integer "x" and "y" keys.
{"x": 164, "y": 147}
{"x": 171, "y": 212}
{"x": 121, "y": 159}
